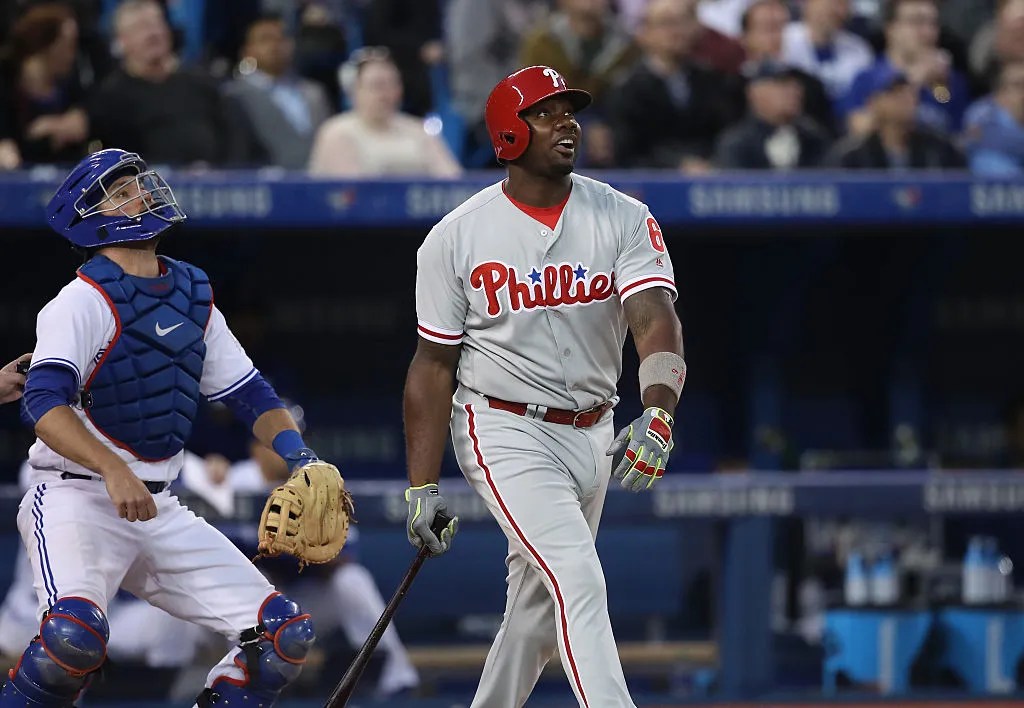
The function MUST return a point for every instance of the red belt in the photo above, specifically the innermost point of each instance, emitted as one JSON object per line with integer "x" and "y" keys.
{"x": 577, "y": 419}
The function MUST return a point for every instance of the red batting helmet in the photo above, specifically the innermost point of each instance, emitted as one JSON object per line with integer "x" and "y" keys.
{"x": 514, "y": 94}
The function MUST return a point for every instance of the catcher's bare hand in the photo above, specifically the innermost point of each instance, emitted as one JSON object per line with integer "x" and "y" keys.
{"x": 12, "y": 381}
{"x": 129, "y": 495}
{"x": 308, "y": 516}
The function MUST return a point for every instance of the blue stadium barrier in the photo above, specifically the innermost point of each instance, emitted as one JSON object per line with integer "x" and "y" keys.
{"x": 271, "y": 198}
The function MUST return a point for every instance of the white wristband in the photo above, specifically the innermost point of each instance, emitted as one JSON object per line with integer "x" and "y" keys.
{"x": 664, "y": 368}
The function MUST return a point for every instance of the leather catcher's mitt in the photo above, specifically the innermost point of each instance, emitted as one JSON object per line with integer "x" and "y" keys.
{"x": 307, "y": 516}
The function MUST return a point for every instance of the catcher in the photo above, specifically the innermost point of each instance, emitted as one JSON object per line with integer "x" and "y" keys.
{"x": 123, "y": 355}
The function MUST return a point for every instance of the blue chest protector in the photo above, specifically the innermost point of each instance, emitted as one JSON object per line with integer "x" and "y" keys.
{"x": 144, "y": 393}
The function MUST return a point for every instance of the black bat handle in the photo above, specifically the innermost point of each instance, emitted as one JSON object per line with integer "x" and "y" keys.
{"x": 347, "y": 686}
{"x": 22, "y": 366}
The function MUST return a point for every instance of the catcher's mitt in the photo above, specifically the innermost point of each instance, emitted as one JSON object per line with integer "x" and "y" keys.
{"x": 307, "y": 516}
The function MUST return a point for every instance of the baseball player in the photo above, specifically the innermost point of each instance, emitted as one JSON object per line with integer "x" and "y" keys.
{"x": 123, "y": 354}
{"x": 524, "y": 294}
{"x": 12, "y": 381}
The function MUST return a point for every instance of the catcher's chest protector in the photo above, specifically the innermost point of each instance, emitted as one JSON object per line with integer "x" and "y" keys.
{"x": 144, "y": 391}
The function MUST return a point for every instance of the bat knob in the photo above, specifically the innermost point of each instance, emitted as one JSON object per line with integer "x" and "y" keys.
{"x": 441, "y": 521}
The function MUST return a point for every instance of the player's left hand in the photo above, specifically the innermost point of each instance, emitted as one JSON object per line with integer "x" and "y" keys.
{"x": 308, "y": 516}
{"x": 12, "y": 383}
{"x": 640, "y": 450}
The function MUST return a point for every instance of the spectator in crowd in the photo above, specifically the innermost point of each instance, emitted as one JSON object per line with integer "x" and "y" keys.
{"x": 897, "y": 141}
{"x": 994, "y": 126}
{"x": 374, "y": 138}
{"x": 717, "y": 50}
{"x": 723, "y": 16}
{"x": 482, "y": 39}
{"x": 668, "y": 110}
{"x": 586, "y": 42}
{"x": 41, "y": 115}
{"x": 583, "y": 41}
{"x": 776, "y": 134}
{"x": 411, "y": 30}
{"x": 320, "y": 47}
{"x": 819, "y": 45}
{"x": 283, "y": 109}
{"x": 965, "y": 18}
{"x": 911, "y": 48}
{"x": 761, "y": 30}
{"x": 1001, "y": 40}
{"x": 151, "y": 105}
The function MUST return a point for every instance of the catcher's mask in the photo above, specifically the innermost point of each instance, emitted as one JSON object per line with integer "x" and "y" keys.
{"x": 86, "y": 212}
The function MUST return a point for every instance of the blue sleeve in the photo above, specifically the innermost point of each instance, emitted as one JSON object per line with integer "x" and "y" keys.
{"x": 991, "y": 163}
{"x": 48, "y": 386}
{"x": 251, "y": 400}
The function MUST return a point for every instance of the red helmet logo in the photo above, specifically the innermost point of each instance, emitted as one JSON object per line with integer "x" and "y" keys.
{"x": 509, "y": 133}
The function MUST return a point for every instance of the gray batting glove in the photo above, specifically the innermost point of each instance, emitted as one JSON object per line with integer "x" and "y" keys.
{"x": 424, "y": 503}
{"x": 640, "y": 451}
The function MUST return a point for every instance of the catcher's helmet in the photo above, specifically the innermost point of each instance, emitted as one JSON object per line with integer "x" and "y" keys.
{"x": 83, "y": 212}
{"x": 510, "y": 134}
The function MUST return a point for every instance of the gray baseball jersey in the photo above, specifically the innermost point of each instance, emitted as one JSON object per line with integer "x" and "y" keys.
{"x": 539, "y": 310}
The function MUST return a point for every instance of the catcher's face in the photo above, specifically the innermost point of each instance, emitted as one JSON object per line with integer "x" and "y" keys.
{"x": 554, "y": 137}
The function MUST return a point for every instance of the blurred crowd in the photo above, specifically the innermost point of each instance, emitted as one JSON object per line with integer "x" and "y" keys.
{"x": 351, "y": 88}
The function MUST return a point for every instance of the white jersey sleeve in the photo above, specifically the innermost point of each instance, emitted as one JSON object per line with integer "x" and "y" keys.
{"x": 643, "y": 261}
{"x": 227, "y": 367}
{"x": 73, "y": 330}
{"x": 441, "y": 303}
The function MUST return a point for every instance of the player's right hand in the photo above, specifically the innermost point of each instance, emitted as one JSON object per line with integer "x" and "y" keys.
{"x": 129, "y": 495}
{"x": 12, "y": 383}
{"x": 425, "y": 502}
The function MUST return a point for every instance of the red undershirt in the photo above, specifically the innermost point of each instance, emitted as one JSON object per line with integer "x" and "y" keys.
{"x": 546, "y": 215}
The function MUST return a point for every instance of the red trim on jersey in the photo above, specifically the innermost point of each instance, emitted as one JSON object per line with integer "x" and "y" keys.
{"x": 548, "y": 216}
{"x": 432, "y": 333}
{"x": 110, "y": 348}
{"x": 647, "y": 281}
{"x": 531, "y": 549}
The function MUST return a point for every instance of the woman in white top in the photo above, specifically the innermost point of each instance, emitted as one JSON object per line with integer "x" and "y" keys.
{"x": 374, "y": 138}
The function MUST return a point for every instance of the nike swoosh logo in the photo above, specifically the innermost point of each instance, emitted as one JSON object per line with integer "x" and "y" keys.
{"x": 161, "y": 332}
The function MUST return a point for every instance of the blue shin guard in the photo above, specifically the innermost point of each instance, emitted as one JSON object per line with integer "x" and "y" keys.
{"x": 272, "y": 656}
{"x": 72, "y": 643}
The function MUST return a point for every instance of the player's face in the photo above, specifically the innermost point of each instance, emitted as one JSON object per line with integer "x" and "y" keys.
{"x": 126, "y": 195}
{"x": 554, "y": 137}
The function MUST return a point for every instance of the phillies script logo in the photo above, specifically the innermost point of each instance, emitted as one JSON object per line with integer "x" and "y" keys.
{"x": 555, "y": 285}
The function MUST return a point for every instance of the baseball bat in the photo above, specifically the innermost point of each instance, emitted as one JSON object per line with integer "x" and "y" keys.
{"x": 22, "y": 366}
{"x": 347, "y": 686}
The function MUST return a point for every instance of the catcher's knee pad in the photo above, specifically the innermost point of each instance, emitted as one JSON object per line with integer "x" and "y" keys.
{"x": 273, "y": 653}
{"x": 72, "y": 643}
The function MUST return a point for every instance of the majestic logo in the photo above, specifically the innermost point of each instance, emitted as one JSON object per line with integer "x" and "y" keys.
{"x": 162, "y": 332}
{"x": 554, "y": 286}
